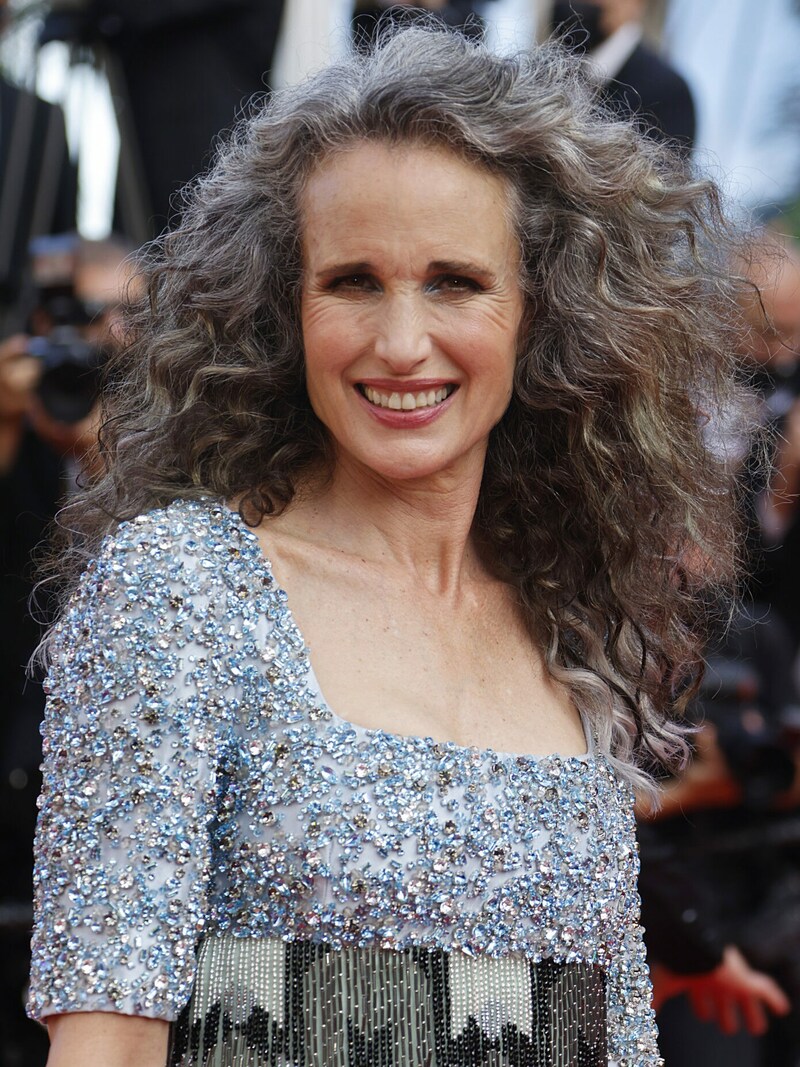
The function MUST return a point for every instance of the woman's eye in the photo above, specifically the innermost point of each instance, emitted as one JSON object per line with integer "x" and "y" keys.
{"x": 352, "y": 281}
{"x": 457, "y": 284}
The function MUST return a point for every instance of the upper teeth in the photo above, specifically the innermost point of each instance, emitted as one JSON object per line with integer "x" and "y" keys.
{"x": 406, "y": 401}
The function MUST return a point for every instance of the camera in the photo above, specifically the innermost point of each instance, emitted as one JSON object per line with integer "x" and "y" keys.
{"x": 72, "y": 363}
{"x": 69, "y": 385}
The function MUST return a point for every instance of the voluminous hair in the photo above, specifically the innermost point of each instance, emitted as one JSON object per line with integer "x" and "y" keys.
{"x": 602, "y": 502}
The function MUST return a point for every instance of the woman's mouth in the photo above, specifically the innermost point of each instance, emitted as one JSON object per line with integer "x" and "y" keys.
{"x": 406, "y": 401}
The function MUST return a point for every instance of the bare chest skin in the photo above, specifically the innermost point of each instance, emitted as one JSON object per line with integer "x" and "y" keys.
{"x": 390, "y": 654}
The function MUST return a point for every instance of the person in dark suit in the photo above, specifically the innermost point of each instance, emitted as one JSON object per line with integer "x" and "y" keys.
{"x": 637, "y": 80}
{"x": 38, "y": 188}
{"x": 180, "y": 71}
{"x": 460, "y": 14}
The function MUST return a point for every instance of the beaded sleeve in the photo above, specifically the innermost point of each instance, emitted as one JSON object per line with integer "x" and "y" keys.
{"x": 129, "y": 779}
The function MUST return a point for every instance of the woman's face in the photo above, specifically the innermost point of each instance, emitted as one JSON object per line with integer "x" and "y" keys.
{"x": 410, "y": 308}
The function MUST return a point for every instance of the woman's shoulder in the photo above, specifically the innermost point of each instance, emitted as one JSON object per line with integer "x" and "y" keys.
{"x": 173, "y": 593}
{"x": 194, "y": 557}
{"x": 182, "y": 524}
{"x": 199, "y": 537}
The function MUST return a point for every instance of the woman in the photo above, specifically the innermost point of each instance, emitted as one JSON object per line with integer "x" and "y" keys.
{"x": 415, "y": 394}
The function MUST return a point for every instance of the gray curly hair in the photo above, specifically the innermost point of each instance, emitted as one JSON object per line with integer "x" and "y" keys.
{"x": 600, "y": 501}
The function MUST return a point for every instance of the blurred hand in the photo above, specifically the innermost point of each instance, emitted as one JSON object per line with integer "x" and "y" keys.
{"x": 733, "y": 995}
{"x": 19, "y": 376}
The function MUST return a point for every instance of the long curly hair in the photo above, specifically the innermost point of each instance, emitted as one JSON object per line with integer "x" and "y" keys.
{"x": 602, "y": 502}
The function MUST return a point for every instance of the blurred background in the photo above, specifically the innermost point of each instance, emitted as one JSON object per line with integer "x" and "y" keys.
{"x": 108, "y": 108}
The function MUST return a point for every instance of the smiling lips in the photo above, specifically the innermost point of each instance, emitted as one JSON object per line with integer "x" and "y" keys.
{"x": 410, "y": 401}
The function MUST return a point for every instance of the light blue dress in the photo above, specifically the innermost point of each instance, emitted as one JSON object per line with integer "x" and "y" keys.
{"x": 217, "y": 848}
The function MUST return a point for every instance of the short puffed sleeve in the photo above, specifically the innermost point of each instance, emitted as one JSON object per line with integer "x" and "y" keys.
{"x": 133, "y": 740}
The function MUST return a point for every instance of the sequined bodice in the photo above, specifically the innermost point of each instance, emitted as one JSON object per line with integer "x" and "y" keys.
{"x": 198, "y": 786}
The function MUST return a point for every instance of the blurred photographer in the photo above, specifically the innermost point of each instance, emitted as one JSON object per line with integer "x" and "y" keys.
{"x": 720, "y": 864}
{"x": 49, "y": 379}
{"x": 721, "y": 859}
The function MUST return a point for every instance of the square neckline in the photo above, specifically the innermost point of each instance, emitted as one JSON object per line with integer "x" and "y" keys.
{"x": 262, "y": 562}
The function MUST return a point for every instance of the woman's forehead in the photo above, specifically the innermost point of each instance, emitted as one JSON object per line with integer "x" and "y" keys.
{"x": 424, "y": 154}
{"x": 427, "y": 197}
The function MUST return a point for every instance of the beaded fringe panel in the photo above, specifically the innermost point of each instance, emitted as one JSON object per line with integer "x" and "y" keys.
{"x": 267, "y": 1003}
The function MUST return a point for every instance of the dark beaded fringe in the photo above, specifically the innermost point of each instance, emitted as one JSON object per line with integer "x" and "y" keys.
{"x": 266, "y": 1003}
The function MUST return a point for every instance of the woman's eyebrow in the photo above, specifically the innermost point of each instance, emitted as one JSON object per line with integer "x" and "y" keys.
{"x": 336, "y": 269}
{"x": 436, "y": 266}
{"x": 460, "y": 266}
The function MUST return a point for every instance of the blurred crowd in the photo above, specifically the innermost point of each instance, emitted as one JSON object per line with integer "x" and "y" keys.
{"x": 721, "y": 857}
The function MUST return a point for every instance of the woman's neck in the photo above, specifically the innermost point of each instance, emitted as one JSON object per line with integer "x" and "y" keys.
{"x": 424, "y": 527}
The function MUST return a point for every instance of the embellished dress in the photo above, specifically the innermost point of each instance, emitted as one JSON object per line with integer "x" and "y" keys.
{"x": 217, "y": 848}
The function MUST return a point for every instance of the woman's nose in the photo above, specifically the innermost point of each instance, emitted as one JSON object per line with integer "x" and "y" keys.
{"x": 403, "y": 337}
